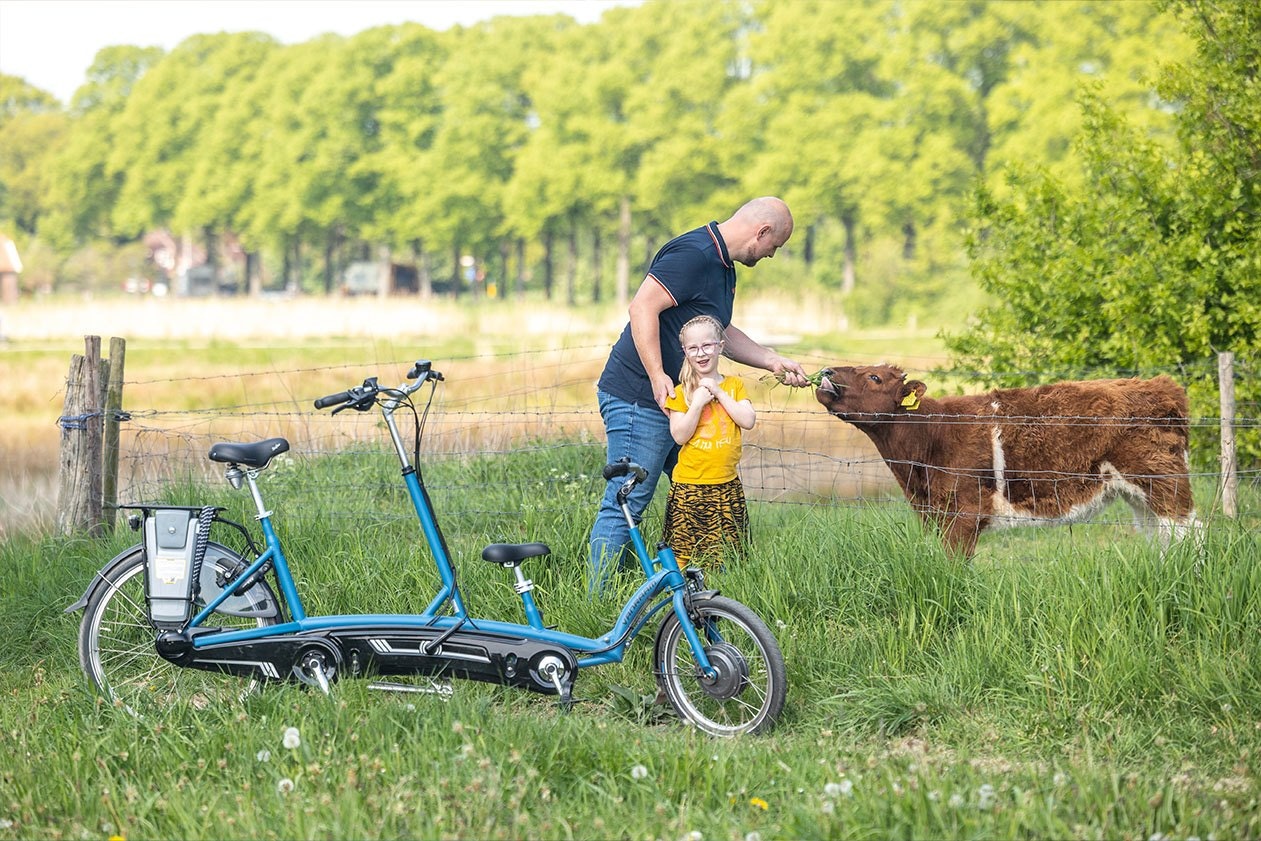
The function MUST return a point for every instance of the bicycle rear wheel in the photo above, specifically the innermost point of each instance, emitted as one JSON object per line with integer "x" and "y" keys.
{"x": 116, "y": 639}
{"x": 747, "y": 694}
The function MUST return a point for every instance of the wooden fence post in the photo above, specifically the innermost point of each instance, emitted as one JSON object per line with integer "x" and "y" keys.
{"x": 79, "y": 477}
{"x": 109, "y": 454}
{"x": 1230, "y": 476}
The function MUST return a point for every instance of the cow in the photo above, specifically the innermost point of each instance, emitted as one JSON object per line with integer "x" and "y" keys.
{"x": 1023, "y": 456}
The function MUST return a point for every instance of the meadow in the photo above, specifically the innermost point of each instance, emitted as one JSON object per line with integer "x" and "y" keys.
{"x": 1062, "y": 684}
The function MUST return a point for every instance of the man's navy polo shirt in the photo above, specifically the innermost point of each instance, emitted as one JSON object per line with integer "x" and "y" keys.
{"x": 697, "y": 271}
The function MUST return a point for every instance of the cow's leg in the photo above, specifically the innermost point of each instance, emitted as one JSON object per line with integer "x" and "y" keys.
{"x": 959, "y": 532}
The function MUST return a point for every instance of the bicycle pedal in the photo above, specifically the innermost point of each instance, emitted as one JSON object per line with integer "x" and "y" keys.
{"x": 441, "y": 688}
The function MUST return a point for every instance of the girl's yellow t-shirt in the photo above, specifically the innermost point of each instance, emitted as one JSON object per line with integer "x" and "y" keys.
{"x": 713, "y": 453}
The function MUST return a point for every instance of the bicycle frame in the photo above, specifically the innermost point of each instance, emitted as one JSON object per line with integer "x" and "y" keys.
{"x": 446, "y": 613}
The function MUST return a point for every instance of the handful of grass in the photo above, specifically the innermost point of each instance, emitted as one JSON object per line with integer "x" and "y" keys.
{"x": 815, "y": 379}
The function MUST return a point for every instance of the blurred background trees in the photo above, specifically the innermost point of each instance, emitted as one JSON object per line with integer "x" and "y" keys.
{"x": 536, "y": 156}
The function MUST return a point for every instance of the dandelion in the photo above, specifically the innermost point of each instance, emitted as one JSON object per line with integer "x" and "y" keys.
{"x": 5, "y": 823}
{"x": 934, "y": 795}
{"x": 117, "y": 838}
{"x": 845, "y": 788}
{"x": 985, "y": 797}
{"x": 285, "y": 785}
{"x": 753, "y": 836}
{"x": 263, "y": 756}
{"x": 694, "y": 835}
{"x": 956, "y": 800}
{"x": 759, "y": 803}
{"x": 638, "y": 772}
{"x": 292, "y": 740}
{"x": 828, "y": 807}
{"x": 1059, "y": 779}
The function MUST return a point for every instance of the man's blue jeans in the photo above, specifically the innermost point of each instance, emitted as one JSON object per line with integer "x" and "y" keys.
{"x": 642, "y": 434}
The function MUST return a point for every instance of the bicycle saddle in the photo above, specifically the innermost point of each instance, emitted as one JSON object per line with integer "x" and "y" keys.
{"x": 511, "y": 554}
{"x": 255, "y": 455}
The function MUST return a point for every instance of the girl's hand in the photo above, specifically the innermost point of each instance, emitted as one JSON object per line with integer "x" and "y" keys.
{"x": 702, "y": 395}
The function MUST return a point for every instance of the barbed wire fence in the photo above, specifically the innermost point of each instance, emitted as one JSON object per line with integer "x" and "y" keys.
{"x": 544, "y": 402}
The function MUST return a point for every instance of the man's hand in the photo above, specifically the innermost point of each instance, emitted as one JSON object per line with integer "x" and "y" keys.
{"x": 789, "y": 371}
{"x": 662, "y": 388}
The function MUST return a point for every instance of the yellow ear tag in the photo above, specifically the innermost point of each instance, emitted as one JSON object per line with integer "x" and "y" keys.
{"x": 911, "y": 402}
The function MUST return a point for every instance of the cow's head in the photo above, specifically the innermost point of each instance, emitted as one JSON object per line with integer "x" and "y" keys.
{"x": 855, "y": 393}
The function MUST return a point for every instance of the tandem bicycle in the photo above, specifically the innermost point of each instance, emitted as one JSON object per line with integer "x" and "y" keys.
{"x": 179, "y": 615}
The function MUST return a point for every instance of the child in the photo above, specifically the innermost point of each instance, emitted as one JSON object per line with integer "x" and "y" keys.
{"x": 705, "y": 510}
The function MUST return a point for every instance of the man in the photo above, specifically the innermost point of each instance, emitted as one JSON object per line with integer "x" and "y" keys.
{"x": 693, "y": 274}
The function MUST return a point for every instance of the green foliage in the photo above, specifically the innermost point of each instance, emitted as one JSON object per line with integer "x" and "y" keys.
{"x": 1151, "y": 262}
{"x": 539, "y": 137}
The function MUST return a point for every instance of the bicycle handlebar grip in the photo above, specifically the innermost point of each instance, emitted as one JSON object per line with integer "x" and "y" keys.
{"x": 623, "y": 466}
{"x": 339, "y": 397}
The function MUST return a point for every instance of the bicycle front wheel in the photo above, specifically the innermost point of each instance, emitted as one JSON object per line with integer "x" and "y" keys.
{"x": 747, "y": 692}
{"x": 116, "y": 639}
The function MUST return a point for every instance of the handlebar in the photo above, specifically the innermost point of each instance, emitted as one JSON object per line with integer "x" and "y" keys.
{"x": 339, "y": 397}
{"x": 623, "y": 466}
{"x": 363, "y": 397}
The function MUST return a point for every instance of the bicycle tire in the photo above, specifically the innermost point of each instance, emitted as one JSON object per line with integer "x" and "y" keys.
{"x": 748, "y": 694}
{"x": 116, "y": 640}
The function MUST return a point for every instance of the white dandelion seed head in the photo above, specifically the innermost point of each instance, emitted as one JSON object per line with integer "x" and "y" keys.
{"x": 753, "y": 836}
{"x": 956, "y": 800}
{"x": 639, "y": 772}
{"x": 263, "y": 756}
{"x": 1060, "y": 778}
{"x": 292, "y": 740}
{"x": 694, "y": 835}
{"x": 284, "y": 785}
{"x": 828, "y": 807}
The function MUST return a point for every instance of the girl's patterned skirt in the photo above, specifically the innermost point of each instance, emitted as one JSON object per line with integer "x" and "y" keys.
{"x": 705, "y": 524}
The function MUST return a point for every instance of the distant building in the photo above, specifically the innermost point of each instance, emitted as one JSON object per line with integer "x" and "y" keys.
{"x": 10, "y": 268}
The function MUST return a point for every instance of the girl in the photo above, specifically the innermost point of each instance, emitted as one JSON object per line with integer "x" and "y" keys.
{"x": 705, "y": 510}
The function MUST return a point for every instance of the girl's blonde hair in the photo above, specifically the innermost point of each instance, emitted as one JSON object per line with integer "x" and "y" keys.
{"x": 688, "y": 376}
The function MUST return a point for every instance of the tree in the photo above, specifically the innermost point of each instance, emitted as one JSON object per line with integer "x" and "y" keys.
{"x": 81, "y": 190}
{"x": 32, "y": 125}
{"x": 1151, "y": 262}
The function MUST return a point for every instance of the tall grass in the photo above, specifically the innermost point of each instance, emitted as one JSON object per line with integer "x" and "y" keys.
{"x": 1052, "y": 687}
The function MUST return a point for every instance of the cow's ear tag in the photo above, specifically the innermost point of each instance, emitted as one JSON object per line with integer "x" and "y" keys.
{"x": 911, "y": 402}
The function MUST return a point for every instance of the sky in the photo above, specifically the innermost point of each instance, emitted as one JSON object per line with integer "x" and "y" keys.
{"x": 52, "y": 43}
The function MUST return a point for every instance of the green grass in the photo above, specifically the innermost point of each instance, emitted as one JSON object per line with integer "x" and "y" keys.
{"x": 1055, "y": 686}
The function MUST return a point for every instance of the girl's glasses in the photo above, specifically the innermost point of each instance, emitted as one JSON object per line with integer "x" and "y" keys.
{"x": 707, "y": 349}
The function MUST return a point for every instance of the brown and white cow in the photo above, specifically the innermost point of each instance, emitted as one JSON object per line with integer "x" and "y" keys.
{"x": 1049, "y": 454}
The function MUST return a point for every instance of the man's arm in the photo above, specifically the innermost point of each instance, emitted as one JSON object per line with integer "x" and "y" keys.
{"x": 748, "y": 352}
{"x": 646, "y": 307}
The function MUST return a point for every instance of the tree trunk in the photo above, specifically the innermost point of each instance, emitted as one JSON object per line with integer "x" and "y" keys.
{"x": 571, "y": 270}
{"x": 597, "y": 260}
{"x": 547, "y": 265}
{"x": 424, "y": 278}
{"x": 521, "y": 270}
{"x": 253, "y": 274}
{"x": 848, "y": 272}
{"x": 622, "y": 280}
